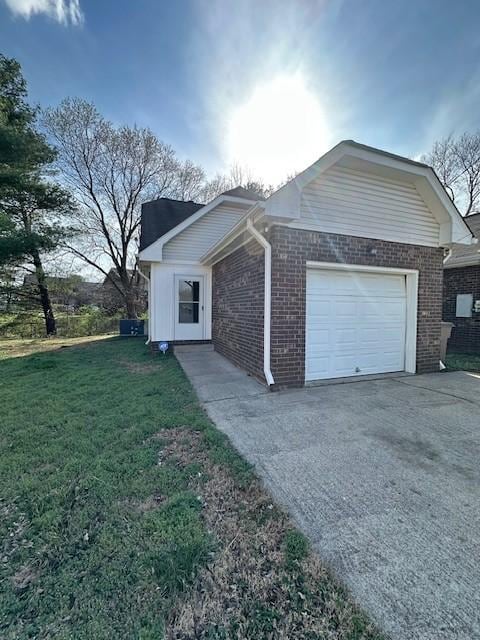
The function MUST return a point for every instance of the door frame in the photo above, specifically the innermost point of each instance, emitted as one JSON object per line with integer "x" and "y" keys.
{"x": 411, "y": 291}
{"x": 201, "y": 303}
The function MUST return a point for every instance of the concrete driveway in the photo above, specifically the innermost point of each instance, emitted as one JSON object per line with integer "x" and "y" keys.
{"x": 383, "y": 476}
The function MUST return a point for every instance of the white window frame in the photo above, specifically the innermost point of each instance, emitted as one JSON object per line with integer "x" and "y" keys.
{"x": 201, "y": 305}
{"x": 411, "y": 290}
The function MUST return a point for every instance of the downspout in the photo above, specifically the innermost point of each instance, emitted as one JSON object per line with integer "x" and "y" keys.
{"x": 149, "y": 296}
{"x": 267, "y": 299}
{"x": 442, "y": 365}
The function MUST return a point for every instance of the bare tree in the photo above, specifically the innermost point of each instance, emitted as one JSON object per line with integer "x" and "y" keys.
{"x": 237, "y": 176}
{"x": 111, "y": 171}
{"x": 457, "y": 164}
{"x": 189, "y": 181}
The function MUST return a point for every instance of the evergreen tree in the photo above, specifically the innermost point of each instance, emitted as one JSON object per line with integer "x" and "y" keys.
{"x": 31, "y": 204}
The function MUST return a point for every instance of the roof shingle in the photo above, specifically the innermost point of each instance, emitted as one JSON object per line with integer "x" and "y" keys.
{"x": 159, "y": 216}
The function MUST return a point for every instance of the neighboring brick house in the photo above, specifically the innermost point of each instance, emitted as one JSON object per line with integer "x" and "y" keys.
{"x": 336, "y": 274}
{"x": 461, "y": 292}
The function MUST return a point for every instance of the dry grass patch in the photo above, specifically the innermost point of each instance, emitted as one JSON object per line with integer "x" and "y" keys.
{"x": 263, "y": 581}
{"x": 19, "y": 347}
{"x": 138, "y": 367}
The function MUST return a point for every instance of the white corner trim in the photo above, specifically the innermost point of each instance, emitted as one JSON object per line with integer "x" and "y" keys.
{"x": 267, "y": 314}
{"x": 149, "y": 297}
{"x": 158, "y": 245}
{"x": 411, "y": 286}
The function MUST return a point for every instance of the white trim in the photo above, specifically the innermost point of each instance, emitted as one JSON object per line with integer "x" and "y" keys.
{"x": 157, "y": 246}
{"x": 208, "y": 258}
{"x": 201, "y": 302}
{"x": 285, "y": 203}
{"x": 283, "y": 206}
{"x": 223, "y": 254}
{"x": 411, "y": 286}
{"x": 149, "y": 293}
{"x": 267, "y": 308}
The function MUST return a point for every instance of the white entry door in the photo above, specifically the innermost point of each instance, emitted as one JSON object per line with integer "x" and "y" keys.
{"x": 355, "y": 324}
{"x": 189, "y": 308}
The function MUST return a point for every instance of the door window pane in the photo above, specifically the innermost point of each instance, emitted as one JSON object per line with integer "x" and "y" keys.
{"x": 188, "y": 313}
{"x": 189, "y": 291}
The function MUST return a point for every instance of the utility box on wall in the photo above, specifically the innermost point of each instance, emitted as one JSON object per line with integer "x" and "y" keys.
{"x": 132, "y": 327}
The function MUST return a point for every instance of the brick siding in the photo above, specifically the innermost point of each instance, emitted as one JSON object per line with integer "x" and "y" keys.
{"x": 291, "y": 248}
{"x": 466, "y": 333}
{"x": 238, "y": 281}
{"x": 237, "y": 307}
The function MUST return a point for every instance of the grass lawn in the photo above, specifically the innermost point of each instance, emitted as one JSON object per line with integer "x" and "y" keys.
{"x": 463, "y": 362}
{"x": 16, "y": 347}
{"x": 125, "y": 514}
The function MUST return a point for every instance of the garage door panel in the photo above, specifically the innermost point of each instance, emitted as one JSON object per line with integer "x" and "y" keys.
{"x": 321, "y": 365}
{"x": 345, "y": 308}
{"x": 320, "y": 337}
{"x": 351, "y": 283}
{"x": 391, "y": 334}
{"x": 318, "y": 309}
{"x": 355, "y": 325}
{"x": 344, "y": 336}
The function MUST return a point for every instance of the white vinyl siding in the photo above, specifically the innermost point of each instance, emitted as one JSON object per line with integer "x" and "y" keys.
{"x": 354, "y": 203}
{"x": 190, "y": 245}
{"x": 162, "y": 301}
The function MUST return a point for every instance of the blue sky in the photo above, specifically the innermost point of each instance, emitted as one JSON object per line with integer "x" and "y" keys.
{"x": 396, "y": 75}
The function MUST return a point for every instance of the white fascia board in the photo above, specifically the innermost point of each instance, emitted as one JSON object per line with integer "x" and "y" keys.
{"x": 154, "y": 251}
{"x": 453, "y": 228}
{"x": 452, "y": 225}
{"x": 457, "y": 262}
{"x": 208, "y": 258}
{"x": 285, "y": 203}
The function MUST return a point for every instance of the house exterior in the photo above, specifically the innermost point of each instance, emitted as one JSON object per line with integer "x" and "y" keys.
{"x": 336, "y": 274}
{"x": 461, "y": 292}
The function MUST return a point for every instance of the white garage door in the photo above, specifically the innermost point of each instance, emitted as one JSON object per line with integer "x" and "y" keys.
{"x": 356, "y": 323}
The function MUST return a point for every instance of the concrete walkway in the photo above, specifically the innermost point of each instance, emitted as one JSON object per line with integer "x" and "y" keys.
{"x": 383, "y": 476}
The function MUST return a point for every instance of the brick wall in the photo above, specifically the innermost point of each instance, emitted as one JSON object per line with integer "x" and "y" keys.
{"x": 237, "y": 307}
{"x": 466, "y": 333}
{"x": 291, "y": 248}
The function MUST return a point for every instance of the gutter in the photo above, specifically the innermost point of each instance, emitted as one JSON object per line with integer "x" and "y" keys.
{"x": 148, "y": 298}
{"x": 448, "y": 256}
{"x": 267, "y": 300}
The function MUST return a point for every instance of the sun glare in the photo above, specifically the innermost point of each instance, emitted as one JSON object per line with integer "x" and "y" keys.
{"x": 280, "y": 130}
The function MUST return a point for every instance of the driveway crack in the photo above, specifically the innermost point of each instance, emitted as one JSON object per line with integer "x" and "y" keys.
{"x": 442, "y": 393}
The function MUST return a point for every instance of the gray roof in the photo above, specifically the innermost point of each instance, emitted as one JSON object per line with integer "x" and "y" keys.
{"x": 162, "y": 215}
{"x": 240, "y": 192}
{"x": 394, "y": 156}
{"x": 159, "y": 216}
{"x": 464, "y": 255}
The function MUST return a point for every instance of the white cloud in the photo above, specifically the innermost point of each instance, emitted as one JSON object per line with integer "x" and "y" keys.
{"x": 63, "y": 11}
